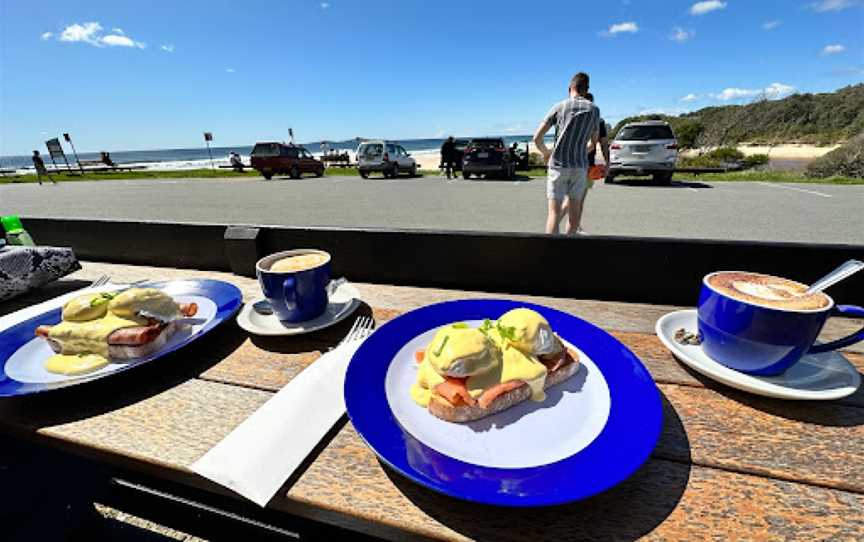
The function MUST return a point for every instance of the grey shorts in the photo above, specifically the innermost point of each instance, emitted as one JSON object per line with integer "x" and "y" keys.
{"x": 561, "y": 182}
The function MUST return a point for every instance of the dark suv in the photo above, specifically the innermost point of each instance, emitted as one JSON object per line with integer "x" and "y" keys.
{"x": 278, "y": 158}
{"x": 487, "y": 156}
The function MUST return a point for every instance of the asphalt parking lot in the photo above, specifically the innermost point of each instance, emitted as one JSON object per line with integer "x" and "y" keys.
{"x": 687, "y": 209}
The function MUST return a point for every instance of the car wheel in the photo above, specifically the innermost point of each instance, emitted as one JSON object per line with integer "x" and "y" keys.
{"x": 267, "y": 175}
{"x": 395, "y": 172}
{"x": 610, "y": 179}
{"x": 294, "y": 172}
{"x": 414, "y": 170}
{"x": 364, "y": 174}
{"x": 466, "y": 175}
{"x": 662, "y": 178}
{"x": 319, "y": 172}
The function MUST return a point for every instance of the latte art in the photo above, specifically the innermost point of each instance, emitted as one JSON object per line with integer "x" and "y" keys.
{"x": 767, "y": 290}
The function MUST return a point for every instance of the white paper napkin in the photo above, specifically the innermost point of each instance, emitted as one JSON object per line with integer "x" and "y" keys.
{"x": 257, "y": 457}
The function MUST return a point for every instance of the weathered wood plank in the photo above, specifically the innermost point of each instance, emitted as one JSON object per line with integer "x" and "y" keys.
{"x": 665, "y": 500}
{"x": 170, "y": 426}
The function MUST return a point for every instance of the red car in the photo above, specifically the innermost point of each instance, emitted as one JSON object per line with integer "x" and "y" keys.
{"x": 278, "y": 158}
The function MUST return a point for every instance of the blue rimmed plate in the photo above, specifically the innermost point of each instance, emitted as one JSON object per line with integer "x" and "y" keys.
{"x": 22, "y": 355}
{"x": 592, "y": 431}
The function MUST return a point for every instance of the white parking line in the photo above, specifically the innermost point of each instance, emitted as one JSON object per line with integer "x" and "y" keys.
{"x": 774, "y": 185}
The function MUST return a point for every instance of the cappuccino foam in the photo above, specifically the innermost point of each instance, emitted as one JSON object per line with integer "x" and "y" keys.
{"x": 300, "y": 262}
{"x": 765, "y": 290}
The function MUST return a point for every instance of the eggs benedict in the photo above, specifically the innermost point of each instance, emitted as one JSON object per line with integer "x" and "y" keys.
{"x": 98, "y": 328}
{"x": 466, "y": 373}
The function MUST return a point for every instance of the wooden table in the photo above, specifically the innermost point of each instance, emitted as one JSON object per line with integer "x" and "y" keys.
{"x": 728, "y": 464}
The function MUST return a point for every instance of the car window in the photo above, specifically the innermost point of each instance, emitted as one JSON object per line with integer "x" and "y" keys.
{"x": 370, "y": 150}
{"x": 391, "y": 149}
{"x": 290, "y": 152}
{"x": 266, "y": 149}
{"x": 644, "y": 133}
{"x": 401, "y": 150}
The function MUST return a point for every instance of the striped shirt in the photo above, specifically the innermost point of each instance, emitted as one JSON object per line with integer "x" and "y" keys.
{"x": 576, "y": 120}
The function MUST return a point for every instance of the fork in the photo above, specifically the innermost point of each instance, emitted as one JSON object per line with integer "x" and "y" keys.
{"x": 361, "y": 329}
{"x": 101, "y": 281}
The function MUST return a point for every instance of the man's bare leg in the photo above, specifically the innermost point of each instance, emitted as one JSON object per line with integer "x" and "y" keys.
{"x": 574, "y": 215}
{"x": 554, "y": 216}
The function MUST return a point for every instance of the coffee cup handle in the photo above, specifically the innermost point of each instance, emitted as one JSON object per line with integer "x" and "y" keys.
{"x": 289, "y": 292}
{"x": 842, "y": 310}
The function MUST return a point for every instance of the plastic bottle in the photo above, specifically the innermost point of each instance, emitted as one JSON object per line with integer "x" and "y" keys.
{"x": 15, "y": 232}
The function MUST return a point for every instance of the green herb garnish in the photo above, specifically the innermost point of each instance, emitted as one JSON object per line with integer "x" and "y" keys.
{"x": 460, "y": 325}
{"x": 506, "y": 332}
{"x": 102, "y": 298}
{"x": 486, "y": 327}
{"x": 441, "y": 348}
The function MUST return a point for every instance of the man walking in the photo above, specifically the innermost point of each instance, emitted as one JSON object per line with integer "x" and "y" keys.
{"x": 576, "y": 121}
{"x": 448, "y": 156}
{"x": 40, "y": 168}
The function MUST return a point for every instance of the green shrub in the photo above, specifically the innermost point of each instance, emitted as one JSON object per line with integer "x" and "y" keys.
{"x": 846, "y": 161}
{"x": 755, "y": 160}
{"x": 687, "y": 131}
{"x": 726, "y": 154}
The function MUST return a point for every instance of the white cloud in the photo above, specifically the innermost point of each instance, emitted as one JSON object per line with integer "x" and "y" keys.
{"x": 832, "y": 5}
{"x": 833, "y": 49}
{"x": 229, "y": 70}
{"x": 117, "y": 40}
{"x": 86, "y": 32}
{"x": 167, "y": 47}
{"x": 689, "y": 98}
{"x": 701, "y": 8}
{"x": 91, "y": 32}
{"x": 47, "y": 35}
{"x": 325, "y": 5}
{"x": 681, "y": 35}
{"x": 628, "y": 27}
{"x": 771, "y": 92}
{"x": 770, "y": 25}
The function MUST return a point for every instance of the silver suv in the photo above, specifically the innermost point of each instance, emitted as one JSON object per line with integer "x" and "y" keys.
{"x": 644, "y": 148}
{"x": 386, "y": 157}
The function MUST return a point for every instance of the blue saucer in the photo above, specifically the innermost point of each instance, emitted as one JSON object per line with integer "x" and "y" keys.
{"x": 627, "y": 427}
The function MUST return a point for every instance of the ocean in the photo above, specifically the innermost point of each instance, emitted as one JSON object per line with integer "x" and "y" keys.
{"x": 195, "y": 158}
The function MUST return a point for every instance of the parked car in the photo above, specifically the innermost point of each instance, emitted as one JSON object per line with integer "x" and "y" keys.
{"x": 386, "y": 157}
{"x": 644, "y": 148}
{"x": 278, "y": 158}
{"x": 489, "y": 157}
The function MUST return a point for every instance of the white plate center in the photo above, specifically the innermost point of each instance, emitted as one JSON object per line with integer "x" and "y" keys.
{"x": 527, "y": 435}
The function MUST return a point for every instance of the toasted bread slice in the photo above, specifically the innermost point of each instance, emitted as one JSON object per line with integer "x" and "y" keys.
{"x": 442, "y": 408}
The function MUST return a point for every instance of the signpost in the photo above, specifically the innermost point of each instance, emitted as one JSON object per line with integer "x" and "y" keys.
{"x": 208, "y": 137}
{"x": 69, "y": 140}
{"x": 55, "y": 150}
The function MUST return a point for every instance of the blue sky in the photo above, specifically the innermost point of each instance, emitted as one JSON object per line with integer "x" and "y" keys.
{"x": 123, "y": 75}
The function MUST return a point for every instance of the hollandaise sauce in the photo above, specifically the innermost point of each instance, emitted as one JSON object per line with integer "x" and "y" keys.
{"x": 88, "y": 321}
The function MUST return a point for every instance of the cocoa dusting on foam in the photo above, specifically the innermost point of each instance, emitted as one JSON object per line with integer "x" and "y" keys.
{"x": 767, "y": 290}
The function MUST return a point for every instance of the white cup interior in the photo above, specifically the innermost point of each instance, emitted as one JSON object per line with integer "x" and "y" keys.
{"x": 266, "y": 262}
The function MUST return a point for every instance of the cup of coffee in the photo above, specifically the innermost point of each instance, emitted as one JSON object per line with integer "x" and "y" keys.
{"x": 761, "y": 324}
{"x": 295, "y": 283}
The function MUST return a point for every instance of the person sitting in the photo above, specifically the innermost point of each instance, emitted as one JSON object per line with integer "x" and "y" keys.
{"x": 105, "y": 158}
{"x": 235, "y": 161}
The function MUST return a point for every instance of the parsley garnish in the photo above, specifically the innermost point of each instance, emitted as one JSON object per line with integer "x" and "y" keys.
{"x": 486, "y": 327}
{"x": 441, "y": 348}
{"x": 506, "y": 332}
{"x": 102, "y": 298}
{"x": 460, "y": 325}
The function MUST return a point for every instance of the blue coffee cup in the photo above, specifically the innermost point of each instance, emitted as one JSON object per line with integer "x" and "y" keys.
{"x": 762, "y": 340}
{"x": 296, "y": 296}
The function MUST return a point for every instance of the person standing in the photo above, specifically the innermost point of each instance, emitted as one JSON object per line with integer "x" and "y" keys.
{"x": 577, "y": 122}
{"x": 39, "y": 164}
{"x": 448, "y": 156}
{"x": 603, "y": 141}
